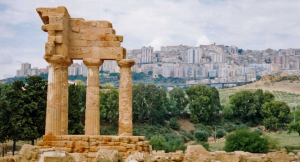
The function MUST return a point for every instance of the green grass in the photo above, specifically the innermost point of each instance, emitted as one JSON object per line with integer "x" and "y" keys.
{"x": 285, "y": 139}
{"x": 219, "y": 146}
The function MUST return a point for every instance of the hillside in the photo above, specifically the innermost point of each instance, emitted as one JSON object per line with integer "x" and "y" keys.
{"x": 284, "y": 86}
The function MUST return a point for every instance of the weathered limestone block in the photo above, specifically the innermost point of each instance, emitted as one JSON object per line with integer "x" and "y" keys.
{"x": 280, "y": 156}
{"x": 197, "y": 153}
{"x": 219, "y": 154}
{"x": 138, "y": 157}
{"x": 255, "y": 159}
{"x": 7, "y": 159}
{"x": 78, "y": 157}
{"x": 28, "y": 153}
{"x": 230, "y": 158}
{"x": 104, "y": 155}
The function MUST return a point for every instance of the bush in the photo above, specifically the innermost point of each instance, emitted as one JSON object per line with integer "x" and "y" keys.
{"x": 190, "y": 135}
{"x": 201, "y": 135}
{"x": 241, "y": 126}
{"x": 174, "y": 124}
{"x": 110, "y": 130}
{"x": 258, "y": 132}
{"x": 158, "y": 142}
{"x": 176, "y": 144}
{"x": 220, "y": 133}
{"x": 229, "y": 128}
{"x": 206, "y": 128}
{"x": 246, "y": 140}
{"x": 150, "y": 130}
{"x": 273, "y": 143}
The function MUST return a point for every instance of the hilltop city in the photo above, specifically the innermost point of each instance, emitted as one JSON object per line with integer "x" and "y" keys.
{"x": 204, "y": 64}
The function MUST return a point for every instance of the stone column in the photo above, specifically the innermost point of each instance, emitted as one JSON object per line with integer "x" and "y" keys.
{"x": 125, "y": 97}
{"x": 57, "y": 97}
{"x": 92, "y": 113}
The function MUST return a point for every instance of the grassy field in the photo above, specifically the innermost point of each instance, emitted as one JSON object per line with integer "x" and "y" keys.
{"x": 284, "y": 139}
{"x": 289, "y": 98}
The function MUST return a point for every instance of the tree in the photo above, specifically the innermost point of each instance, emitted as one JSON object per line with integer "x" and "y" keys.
{"x": 202, "y": 104}
{"x": 268, "y": 97}
{"x": 267, "y": 84}
{"x": 74, "y": 126}
{"x": 174, "y": 124}
{"x": 139, "y": 106}
{"x": 178, "y": 102}
{"x": 109, "y": 105}
{"x": 258, "y": 77}
{"x": 149, "y": 103}
{"x": 14, "y": 123}
{"x": 245, "y": 140}
{"x": 275, "y": 113}
{"x": 155, "y": 111}
{"x": 165, "y": 100}
{"x": 201, "y": 135}
{"x": 150, "y": 72}
{"x": 243, "y": 105}
{"x": 36, "y": 91}
{"x": 108, "y": 85}
{"x": 158, "y": 142}
{"x": 294, "y": 127}
{"x": 215, "y": 101}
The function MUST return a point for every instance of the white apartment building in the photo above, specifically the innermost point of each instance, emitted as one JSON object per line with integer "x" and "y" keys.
{"x": 147, "y": 53}
{"x": 194, "y": 55}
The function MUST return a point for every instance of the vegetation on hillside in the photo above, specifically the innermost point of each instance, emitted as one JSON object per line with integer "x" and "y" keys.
{"x": 215, "y": 113}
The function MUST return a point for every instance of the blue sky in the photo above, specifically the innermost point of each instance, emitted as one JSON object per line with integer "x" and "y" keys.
{"x": 248, "y": 24}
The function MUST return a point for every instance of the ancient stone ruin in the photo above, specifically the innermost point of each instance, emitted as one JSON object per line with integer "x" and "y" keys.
{"x": 93, "y": 42}
{"x": 90, "y": 41}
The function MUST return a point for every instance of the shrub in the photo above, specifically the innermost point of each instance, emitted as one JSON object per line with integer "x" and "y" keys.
{"x": 150, "y": 130}
{"x": 220, "y": 133}
{"x": 201, "y": 135}
{"x": 190, "y": 135}
{"x": 273, "y": 143}
{"x": 176, "y": 144}
{"x": 229, "y": 128}
{"x": 174, "y": 124}
{"x": 246, "y": 140}
{"x": 110, "y": 130}
{"x": 206, "y": 128}
{"x": 241, "y": 126}
{"x": 258, "y": 132}
{"x": 183, "y": 132}
{"x": 158, "y": 142}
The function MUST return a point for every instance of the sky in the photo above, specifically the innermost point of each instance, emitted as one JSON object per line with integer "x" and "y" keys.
{"x": 247, "y": 24}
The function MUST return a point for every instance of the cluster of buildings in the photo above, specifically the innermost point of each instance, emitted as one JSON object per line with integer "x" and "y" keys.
{"x": 203, "y": 64}
{"x": 214, "y": 63}
{"x": 26, "y": 70}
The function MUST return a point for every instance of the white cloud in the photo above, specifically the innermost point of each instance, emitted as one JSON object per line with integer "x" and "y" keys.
{"x": 247, "y": 24}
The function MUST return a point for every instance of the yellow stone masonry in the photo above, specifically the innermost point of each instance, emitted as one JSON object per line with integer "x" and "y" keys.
{"x": 90, "y": 145}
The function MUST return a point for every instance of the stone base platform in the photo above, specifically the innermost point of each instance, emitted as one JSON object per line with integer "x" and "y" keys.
{"x": 89, "y": 145}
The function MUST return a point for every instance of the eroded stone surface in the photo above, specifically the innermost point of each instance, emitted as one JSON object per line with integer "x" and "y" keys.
{"x": 92, "y": 41}
{"x": 104, "y": 155}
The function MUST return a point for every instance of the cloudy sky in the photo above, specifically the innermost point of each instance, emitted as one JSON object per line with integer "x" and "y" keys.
{"x": 248, "y": 24}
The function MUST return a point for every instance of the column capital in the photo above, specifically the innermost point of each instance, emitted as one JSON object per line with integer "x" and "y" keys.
{"x": 92, "y": 62}
{"x": 126, "y": 63}
{"x": 58, "y": 59}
